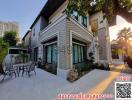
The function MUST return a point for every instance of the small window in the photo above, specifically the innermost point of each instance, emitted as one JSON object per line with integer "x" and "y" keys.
{"x": 74, "y": 14}
{"x": 84, "y": 21}
{"x": 34, "y": 32}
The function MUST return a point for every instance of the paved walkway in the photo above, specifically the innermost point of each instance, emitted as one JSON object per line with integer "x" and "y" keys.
{"x": 119, "y": 68}
{"x": 102, "y": 86}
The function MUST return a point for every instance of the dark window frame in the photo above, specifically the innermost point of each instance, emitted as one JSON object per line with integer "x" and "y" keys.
{"x": 84, "y": 21}
{"x": 75, "y": 17}
{"x": 17, "y": 51}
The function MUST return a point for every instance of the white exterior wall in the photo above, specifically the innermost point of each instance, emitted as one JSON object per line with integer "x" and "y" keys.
{"x": 58, "y": 29}
{"x": 26, "y": 40}
{"x": 64, "y": 30}
{"x": 34, "y": 39}
{"x": 81, "y": 33}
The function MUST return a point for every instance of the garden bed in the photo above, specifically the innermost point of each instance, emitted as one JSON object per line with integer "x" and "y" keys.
{"x": 51, "y": 68}
{"x": 82, "y": 69}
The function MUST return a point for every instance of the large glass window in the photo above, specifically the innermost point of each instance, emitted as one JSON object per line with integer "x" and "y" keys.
{"x": 49, "y": 50}
{"x": 82, "y": 53}
{"x": 51, "y": 54}
{"x": 78, "y": 53}
{"x": 54, "y": 54}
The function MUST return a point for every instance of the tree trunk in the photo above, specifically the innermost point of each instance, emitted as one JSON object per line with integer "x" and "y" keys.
{"x": 1, "y": 69}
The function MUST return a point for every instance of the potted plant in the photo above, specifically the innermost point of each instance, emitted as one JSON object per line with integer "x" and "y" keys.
{"x": 39, "y": 62}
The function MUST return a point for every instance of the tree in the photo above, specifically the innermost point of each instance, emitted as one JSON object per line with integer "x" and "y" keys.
{"x": 3, "y": 51}
{"x": 123, "y": 38}
{"x": 11, "y": 37}
{"x": 110, "y": 8}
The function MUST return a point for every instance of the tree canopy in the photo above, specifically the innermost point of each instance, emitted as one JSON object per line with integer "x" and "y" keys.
{"x": 110, "y": 8}
{"x": 3, "y": 51}
{"x": 123, "y": 38}
{"x": 10, "y": 37}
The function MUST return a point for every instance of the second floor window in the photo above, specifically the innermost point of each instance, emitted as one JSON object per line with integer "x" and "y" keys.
{"x": 84, "y": 21}
{"x": 81, "y": 19}
{"x": 75, "y": 15}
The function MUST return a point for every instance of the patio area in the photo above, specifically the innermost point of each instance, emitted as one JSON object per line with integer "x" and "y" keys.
{"x": 37, "y": 87}
{"x": 46, "y": 86}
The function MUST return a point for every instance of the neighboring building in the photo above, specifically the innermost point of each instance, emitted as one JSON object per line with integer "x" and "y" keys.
{"x": 13, "y": 52}
{"x": 65, "y": 42}
{"x": 8, "y": 26}
{"x": 27, "y": 39}
{"x": 117, "y": 53}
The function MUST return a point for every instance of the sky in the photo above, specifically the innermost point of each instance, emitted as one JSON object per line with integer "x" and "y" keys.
{"x": 22, "y": 11}
{"x": 120, "y": 24}
{"x": 25, "y": 11}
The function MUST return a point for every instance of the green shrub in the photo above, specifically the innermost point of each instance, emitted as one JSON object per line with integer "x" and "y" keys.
{"x": 101, "y": 66}
{"x": 82, "y": 67}
{"x": 85, "y": 67}
{"x": 51, "y": 68}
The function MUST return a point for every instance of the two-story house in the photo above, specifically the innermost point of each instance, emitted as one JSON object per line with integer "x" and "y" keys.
{"x": 64, "y": 41}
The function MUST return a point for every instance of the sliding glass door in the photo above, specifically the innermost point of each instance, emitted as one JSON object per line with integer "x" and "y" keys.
{"x": 51, "y": 56}
{"x": 78, "y": 53}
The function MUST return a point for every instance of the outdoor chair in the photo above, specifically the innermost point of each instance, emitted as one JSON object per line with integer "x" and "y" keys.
{"x": 29, "y": 69}
{"x": 21, "y": 68}
{"x": 9, "y": 71}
